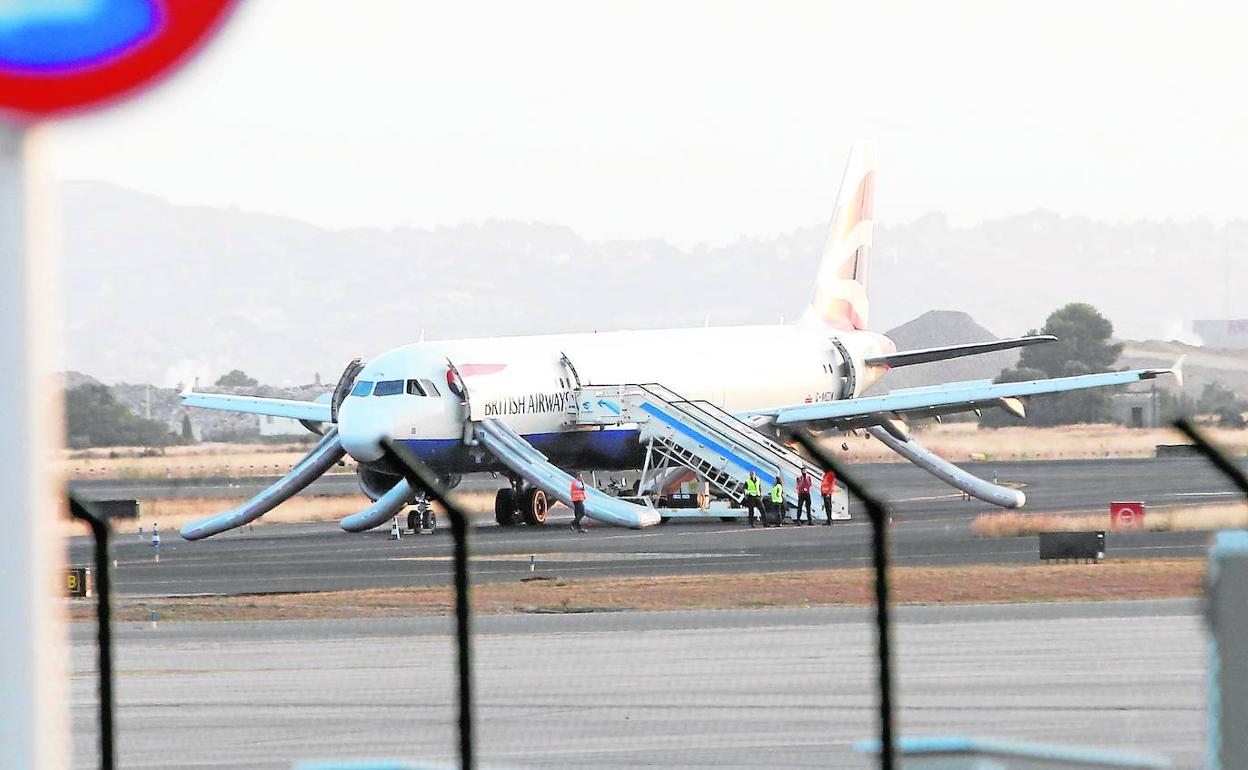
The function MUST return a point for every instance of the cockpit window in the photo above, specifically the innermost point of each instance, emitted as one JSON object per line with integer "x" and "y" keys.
{"x": 430, "y": 388}
{"x": 362, "y": 388}
{"x": 414, "y": 389}
{"x": 388, "y": 388}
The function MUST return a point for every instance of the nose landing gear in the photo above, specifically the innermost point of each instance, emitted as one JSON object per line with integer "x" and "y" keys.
{"x": 421, "y": 518}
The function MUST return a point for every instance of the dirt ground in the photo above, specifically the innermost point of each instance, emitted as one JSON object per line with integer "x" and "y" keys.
{"x": 953, "y": 441}
{"x": 1190, "y": 517}
{"x": 971, "y": 584}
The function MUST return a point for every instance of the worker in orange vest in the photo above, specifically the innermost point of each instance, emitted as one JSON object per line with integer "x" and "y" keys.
{"x": 826, "y": 488}
{"x": 578, "y": 503}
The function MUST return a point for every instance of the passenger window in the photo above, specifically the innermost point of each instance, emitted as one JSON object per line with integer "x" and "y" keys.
{"x": 414, "y": 389}
{"x": 430, "y": 388}
{"x": 362, "y": 388}
{"x": 388, "y": 388}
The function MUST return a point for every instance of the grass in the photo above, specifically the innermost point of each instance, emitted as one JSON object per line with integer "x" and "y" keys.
{"x": 171, "y": 513}
{"x": 962, "y": 442}
{"x": 954, "y": 441}
{"x": 1195, "y": 517}
{"x": 965, "y": 584}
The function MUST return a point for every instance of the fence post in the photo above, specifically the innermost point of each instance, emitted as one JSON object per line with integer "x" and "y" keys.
{"x": 422, "y": 479}
{"x": 879, "y": 558}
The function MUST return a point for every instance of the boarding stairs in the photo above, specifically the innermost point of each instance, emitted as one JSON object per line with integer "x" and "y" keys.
{"x": 699, "y": 436}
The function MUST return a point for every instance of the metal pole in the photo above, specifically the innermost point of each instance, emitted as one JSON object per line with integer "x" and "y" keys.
{"x": 100, "y": 531}
{"x": 32, "y": 632}
{"x": 879, "y": 558}
{"x": 421, "y": 478}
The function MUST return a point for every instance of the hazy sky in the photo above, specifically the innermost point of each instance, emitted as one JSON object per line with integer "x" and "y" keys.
{"x": 697, "y": 121}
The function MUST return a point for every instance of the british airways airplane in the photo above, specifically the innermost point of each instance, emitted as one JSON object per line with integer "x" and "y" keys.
{"x": 672, "y": 403}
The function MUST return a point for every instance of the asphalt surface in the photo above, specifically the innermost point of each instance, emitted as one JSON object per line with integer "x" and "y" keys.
{"x": 757, "y": 688}
{"x": 931, "y": 527}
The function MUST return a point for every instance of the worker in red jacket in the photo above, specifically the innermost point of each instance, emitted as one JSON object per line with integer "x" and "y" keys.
{"x": 804, "y": 483}
{"x": 826, "y": 488}
{"x": 578, "y": 503}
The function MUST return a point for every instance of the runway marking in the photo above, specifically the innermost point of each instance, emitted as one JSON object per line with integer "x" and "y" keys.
{"x": 578, "y": 557}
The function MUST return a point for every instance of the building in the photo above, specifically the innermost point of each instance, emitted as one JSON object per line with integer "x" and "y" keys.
{"x": 1136, "y": 409}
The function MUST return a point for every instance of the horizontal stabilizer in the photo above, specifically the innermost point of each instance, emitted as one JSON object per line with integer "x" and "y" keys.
{"x": 927, "y": 355}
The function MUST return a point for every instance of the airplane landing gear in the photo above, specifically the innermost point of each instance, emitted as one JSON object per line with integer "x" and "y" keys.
{"x": 421, "y": 518}
{"x": 505, "y": 507}
{"x": 520, "y": 503}
{"x": 535, "y": 507}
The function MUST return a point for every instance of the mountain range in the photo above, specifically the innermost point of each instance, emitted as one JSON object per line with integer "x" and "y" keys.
{"x": 164, "y": 293}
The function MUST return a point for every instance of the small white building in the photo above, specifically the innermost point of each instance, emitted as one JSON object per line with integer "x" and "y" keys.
{"x": 1136, "y": 409}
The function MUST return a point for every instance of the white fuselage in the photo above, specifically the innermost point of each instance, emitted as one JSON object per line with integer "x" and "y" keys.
{"x": 529, "y": 383}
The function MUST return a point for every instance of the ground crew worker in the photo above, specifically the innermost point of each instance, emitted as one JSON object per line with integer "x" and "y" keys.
{"x": 826, "y": 488}
{"x": 578, "y": 503}
{"x": 804, "y": 483}
{"x": 754, "y": 498}
{"x": 777, "y": 499}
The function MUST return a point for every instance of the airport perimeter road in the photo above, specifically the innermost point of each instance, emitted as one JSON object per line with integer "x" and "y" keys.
{"x": 733, "y": 689}
{"x": 932, "y": 526}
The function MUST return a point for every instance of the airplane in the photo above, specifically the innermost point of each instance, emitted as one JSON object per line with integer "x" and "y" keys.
{"x": 674, "y": 403}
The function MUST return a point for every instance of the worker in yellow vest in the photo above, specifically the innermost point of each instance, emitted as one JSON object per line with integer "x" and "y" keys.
{"x": 754, "y": 497}
{"x": 777, "y": 499}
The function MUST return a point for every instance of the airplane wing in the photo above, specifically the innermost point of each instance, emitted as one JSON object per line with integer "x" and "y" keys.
{"x": 309, "y": 411}
{"x": 946, "y": 399}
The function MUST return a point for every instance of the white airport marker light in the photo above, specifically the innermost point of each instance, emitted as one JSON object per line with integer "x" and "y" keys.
{"x": 52, "y": 60}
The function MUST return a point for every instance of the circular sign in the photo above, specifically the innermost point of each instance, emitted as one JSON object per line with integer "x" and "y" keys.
{"x": 1126, "y": 517}
{"x": 62, "y": 56}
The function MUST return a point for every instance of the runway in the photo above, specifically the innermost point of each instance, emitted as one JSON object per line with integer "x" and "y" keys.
{"x": 931, "y": 526}
{"x": 753, "y": 688}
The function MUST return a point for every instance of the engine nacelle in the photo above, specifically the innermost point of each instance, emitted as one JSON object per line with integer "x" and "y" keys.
{"x": 375, "y": 483}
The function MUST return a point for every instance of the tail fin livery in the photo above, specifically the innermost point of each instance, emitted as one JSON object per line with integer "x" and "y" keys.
{"x": 840, "y": 295}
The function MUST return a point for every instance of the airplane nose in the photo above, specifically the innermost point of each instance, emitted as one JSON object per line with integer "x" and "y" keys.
{"x": 361, "y": 430}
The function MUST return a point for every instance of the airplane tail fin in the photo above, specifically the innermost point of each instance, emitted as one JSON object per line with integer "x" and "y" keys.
{"x": 839, "y": 299}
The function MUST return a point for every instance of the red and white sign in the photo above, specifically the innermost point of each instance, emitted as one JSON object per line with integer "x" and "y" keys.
{"x": 1126, "y": 515}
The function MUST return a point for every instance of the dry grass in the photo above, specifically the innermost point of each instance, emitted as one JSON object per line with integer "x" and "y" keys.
{"x": 954, "y": 441}
{"x": 960, "y": 442}
{"x": 1126, "y": 579}
{"x": 1195, "y": 517}
{"x": 225, "y": 460}
{"x": 171, "y": 513}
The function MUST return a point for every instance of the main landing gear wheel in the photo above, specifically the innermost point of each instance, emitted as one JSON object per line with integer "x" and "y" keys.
{"x": 535, "y": 507}
{"x": 505, "y": 508}
{"x": 413, "y": 520}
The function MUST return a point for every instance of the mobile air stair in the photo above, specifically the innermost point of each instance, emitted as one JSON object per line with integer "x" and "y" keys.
{"x": 681, "y": 436}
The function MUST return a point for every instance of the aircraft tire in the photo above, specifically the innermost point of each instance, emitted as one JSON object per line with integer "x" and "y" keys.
{"x": 413, "y": 520}
{"x": 504, "y": 508}
{"x": 535, "y": 507}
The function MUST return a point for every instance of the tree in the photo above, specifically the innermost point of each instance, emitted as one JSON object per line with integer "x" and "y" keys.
{"x": 188, "y": 431}
{"x": 236, "y": 379}
{"x": 94, "y": 418}
{"x": 1220, "y": 400}
{"x": 1083, "y": 347}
